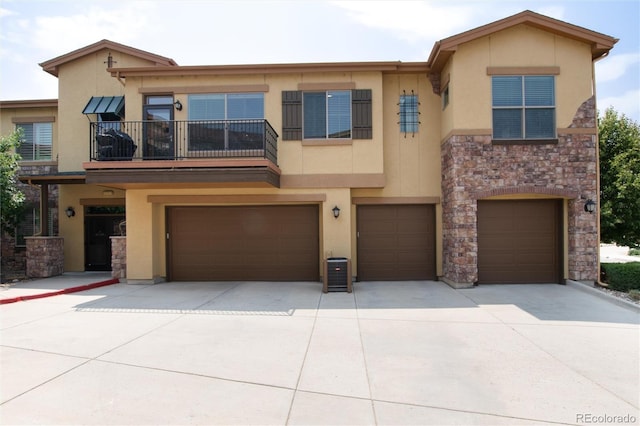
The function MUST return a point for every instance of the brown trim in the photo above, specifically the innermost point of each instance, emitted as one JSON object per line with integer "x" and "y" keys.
{"x": 21, "y": 120}
{"x": 51, "y": 66}
{"x": 30, "y": 103}
{"x": 526, "y": 189}
{"x": 181, "y": 164}
{"x": 327, "y": 86}
{"x": 102, "y": 201}
{"x": 256, "y": 176}
{"x": 227, "y": 88}
{"x": 365, "y": 180}
{"x": 524, "y": 141}
{"x": 578, "y": 131}
{"x": 466, "y": 132}
{"x": 395, "y": 200}
{"x": 326, "y": 142}
{"x": 237, "y": 199}
{"x": 53, "y": 179}
{"x": 550, "y": 70}
{"x": 388, "y": 66}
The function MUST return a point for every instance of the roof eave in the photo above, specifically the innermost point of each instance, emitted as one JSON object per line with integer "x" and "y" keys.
{"x": 52, "y": 66}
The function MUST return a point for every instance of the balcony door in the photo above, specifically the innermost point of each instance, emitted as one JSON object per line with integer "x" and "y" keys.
{"x": 158, "y": 128}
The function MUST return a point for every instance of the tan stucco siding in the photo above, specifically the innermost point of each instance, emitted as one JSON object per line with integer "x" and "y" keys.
{"x": 520, "y": 46}
{"x": 146, "y": 221}
{"x": 78, "y": 81}
{"x": 9, "y": 117}
{"x": 73, "y": 228}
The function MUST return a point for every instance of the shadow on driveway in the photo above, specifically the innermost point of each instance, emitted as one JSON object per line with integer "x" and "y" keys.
{"x": 519, "y": 303}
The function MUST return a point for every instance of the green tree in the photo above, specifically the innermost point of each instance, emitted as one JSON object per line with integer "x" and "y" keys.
{"x": 11, "y": 198}
{"x": 619, "y": 179}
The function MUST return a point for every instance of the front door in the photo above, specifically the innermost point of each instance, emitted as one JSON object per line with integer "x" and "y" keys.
{"x": 101, "y": 222}
{"x": 158, "y": 128}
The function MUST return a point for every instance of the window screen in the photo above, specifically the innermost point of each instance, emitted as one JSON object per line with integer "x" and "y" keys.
{"x": 523, "y": 107}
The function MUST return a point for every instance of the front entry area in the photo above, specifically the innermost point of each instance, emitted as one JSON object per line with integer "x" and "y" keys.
{"x": 101, "y": 223}
{"x": 519, "y": 241}
{"x": 243, "y": 243}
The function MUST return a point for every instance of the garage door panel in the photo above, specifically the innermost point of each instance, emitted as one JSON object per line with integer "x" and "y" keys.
{"x": 396, "y": 242}
{"x": 244, "y": 243}
{"x": 519, "y": 241}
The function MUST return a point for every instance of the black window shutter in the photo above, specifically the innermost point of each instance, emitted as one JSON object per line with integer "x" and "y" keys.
{"x": 362, "y": 116}
{"x": 291, "y": 115}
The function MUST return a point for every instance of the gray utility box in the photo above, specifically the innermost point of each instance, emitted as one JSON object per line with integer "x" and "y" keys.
{"x": 337, "y": 275}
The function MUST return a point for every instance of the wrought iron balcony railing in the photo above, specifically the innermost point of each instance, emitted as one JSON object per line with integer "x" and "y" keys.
{"x": 177, "y": 140}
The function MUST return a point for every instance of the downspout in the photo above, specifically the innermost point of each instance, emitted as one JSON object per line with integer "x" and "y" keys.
{"x": 595, "y": 105}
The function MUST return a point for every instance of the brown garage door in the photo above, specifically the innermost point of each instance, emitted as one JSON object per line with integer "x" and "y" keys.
{"x": 519, "y": 241}
{"x": 396, "y": 242}
{"x": 272, "y": 243}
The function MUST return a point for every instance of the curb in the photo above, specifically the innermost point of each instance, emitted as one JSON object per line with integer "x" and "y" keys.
{"x": 59, "y": 292}
{"x": 601, "y": 294}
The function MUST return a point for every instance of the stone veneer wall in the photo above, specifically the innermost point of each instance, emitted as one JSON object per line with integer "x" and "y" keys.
{"x": 45, "y": 256}
{"x": 473, "y": 168}
{"x": 118, "y": 257}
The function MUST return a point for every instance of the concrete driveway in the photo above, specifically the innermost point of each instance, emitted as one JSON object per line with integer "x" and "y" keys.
{"x": 284, "y": 353}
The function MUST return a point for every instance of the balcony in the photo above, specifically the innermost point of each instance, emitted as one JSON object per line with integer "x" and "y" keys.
{"x": 202, "y": 151}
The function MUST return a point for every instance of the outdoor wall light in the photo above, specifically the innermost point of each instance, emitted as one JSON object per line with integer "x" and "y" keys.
{"x": 178, "y": 105}
{"x": 70, "y": 212}
{"x": 336, "y": 211}
{"x": 590, "y": 206}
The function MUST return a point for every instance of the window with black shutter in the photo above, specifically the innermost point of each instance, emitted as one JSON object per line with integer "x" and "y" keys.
{"x": 322, "y": 115}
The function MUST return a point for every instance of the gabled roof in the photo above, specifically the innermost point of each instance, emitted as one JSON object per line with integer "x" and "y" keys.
{"x": 443, "y": 49}
{"x": 51, "y": 66}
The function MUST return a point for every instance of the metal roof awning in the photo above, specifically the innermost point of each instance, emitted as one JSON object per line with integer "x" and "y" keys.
{"x": 105, "y": 105}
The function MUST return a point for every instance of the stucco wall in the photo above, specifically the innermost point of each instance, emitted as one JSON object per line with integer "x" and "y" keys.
{"x": 520, "y": 46}
{"x": 78, "y": 81}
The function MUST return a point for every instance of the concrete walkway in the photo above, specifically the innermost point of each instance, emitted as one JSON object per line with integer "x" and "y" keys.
{"x": 285, "y": 353}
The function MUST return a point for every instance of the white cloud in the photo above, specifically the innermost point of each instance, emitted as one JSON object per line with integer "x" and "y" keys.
{"x": 628, "y": 104}
{"x": 5, "y": 12}
{"x": 122, "y": 22}
{"x": 615, "y": 66}
{"x": 411, "y": 20}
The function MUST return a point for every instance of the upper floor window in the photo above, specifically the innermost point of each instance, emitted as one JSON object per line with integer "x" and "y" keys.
{"x": 36, "y": 141}
{"x": 524, "y": 107}
{"x": 222, "y": 121}
{"x": 327, "y": 115}
{"x": 340, "y": 114}
{"x": 409, "y": 113}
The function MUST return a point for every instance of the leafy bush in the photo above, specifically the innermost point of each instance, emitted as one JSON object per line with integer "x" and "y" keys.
{"x": 634, "y": 252}
{"x": 621, "y": 276}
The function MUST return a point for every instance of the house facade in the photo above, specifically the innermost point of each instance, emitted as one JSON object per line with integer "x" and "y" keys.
{"x": 473, "y": 167}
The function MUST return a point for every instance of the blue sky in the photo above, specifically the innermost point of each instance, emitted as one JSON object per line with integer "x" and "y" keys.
{"x": 212, "y": 32}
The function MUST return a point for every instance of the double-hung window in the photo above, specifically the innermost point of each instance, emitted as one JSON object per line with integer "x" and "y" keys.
{"x": 523, "y": 107}
{"x": 36, "y": 141}
{"x": 327, "y": 115}
{"x": 409, "y": 113}
{"x": 222, "y": 121}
